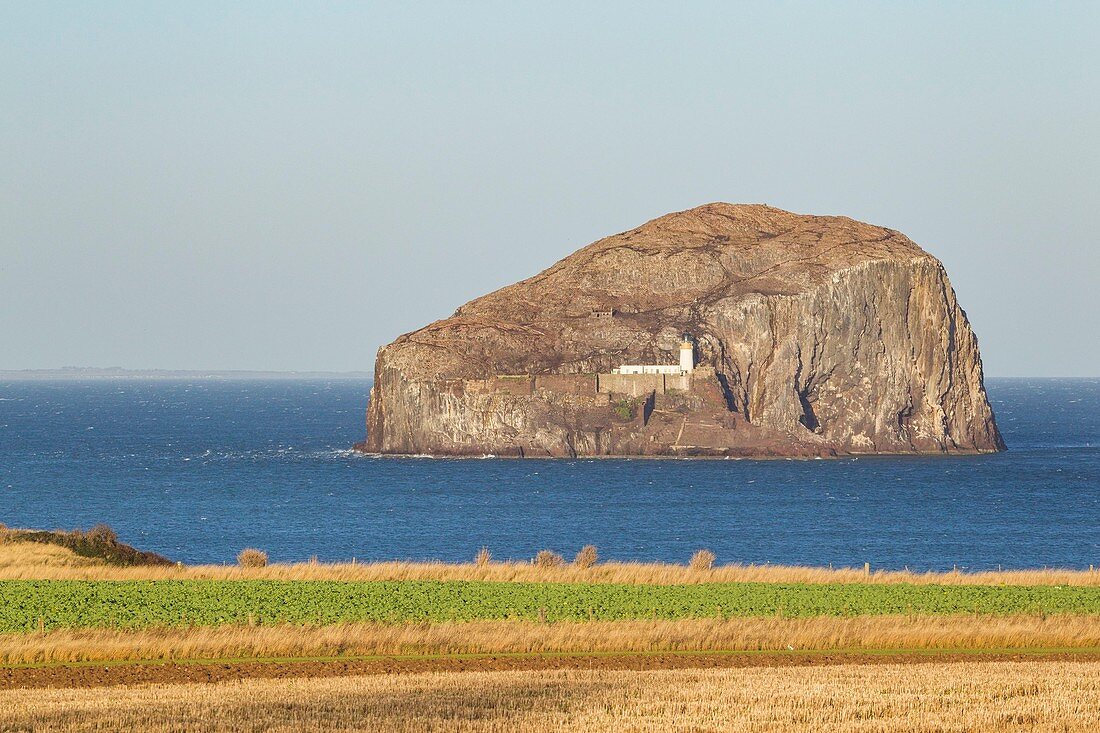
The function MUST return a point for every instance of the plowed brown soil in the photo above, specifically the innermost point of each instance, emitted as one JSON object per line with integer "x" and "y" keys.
{"x": 88, "y": 675}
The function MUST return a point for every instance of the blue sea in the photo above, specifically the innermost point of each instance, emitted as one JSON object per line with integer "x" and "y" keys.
{"x": 197, "y": 470}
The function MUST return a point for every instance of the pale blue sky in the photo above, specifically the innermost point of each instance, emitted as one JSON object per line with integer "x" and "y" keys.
{"x": 288, "y": 186}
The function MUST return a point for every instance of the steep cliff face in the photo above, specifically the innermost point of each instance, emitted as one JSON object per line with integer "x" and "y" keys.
{"x": 814, "y": 336}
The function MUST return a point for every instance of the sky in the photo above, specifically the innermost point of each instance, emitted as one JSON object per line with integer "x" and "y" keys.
{"x": 288, "y": 186}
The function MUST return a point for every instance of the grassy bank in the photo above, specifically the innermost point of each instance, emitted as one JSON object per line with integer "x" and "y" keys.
{"x": 33, "y": 605}
{"x": 97, "y": 554}
{"x": 26, "y": 561}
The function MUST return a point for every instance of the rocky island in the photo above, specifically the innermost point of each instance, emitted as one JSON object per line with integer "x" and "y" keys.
{"x": 724, "y": 330}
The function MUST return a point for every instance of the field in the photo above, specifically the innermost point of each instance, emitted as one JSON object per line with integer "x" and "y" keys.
{"x": 514, "y": 646}
{"x": 990, "y": 697}
{"x": 27, "y": 605}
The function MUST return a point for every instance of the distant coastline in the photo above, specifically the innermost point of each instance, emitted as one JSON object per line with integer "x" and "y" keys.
{"x": 84, "y": 373}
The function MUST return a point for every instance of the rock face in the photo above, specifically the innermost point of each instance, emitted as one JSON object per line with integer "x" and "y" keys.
{"x": 813, "y": 336}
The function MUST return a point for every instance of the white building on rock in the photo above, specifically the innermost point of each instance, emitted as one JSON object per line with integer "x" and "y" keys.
{"x": 686, "y": 365}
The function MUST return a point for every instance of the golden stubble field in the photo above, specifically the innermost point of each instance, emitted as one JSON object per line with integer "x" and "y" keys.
{"x": 960, "y": 696}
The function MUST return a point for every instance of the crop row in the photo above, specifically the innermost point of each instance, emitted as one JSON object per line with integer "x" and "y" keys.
{"x": 32, "y": 604}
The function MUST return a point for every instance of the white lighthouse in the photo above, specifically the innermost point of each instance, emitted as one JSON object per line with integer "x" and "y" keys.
{"x": 687, "y": 354}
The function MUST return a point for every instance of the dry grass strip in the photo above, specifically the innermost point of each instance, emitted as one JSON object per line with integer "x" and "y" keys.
{"x": 31, "y": 561}
{"x": 483, "y": 637}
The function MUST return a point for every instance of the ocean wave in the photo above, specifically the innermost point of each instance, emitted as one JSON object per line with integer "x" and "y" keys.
{"x": 274, "y": 453}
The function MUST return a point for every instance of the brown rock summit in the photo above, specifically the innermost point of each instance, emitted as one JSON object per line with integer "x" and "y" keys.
{"x": 810, "y": 335}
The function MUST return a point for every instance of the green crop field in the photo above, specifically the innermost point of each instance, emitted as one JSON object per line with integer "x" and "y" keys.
{"x": 24, "y": 604}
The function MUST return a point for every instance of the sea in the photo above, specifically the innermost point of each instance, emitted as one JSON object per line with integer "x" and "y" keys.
{"x": 197, "y": 469}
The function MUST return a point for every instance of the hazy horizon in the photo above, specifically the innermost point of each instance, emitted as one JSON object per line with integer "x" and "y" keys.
{"x": 80, "y": 373}
{"x": 275, "y": 187}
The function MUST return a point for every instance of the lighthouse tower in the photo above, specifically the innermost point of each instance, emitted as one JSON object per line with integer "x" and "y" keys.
{"x": 687, "y": 354}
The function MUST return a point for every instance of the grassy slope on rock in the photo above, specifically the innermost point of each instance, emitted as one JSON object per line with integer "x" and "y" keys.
{"x": 99, "y": 544}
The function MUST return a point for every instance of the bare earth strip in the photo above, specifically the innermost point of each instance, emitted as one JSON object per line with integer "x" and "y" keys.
{"x": 235, "y": 670}
{"x": 991, "y": 696}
